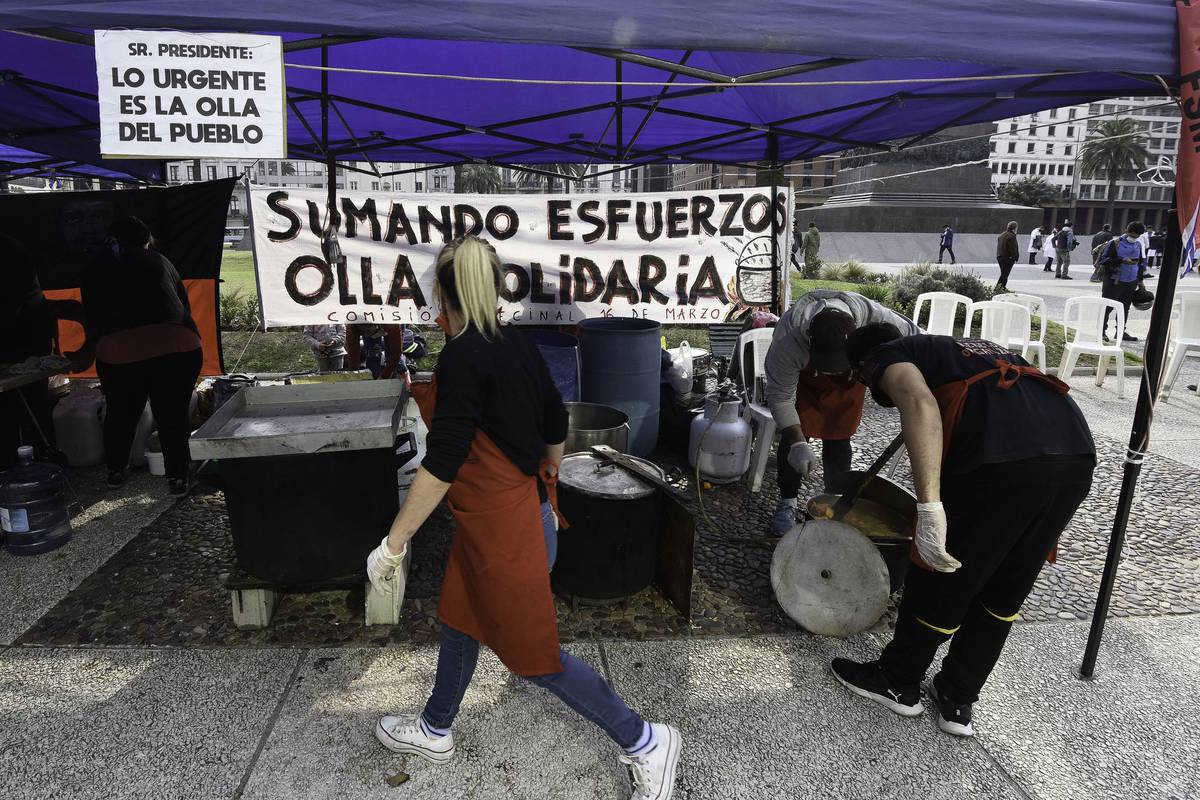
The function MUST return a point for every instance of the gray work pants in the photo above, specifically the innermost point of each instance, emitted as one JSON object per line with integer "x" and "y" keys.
{"x": 1062, "y": 264}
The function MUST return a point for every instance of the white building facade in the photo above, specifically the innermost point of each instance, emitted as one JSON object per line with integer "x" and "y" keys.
{"x": 1047, "y": 145}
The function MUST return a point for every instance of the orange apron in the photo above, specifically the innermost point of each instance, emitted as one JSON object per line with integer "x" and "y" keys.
{"x": 830, "y": 406}
{"x": 951, "y": 397}
{"x": 497, "y": 585}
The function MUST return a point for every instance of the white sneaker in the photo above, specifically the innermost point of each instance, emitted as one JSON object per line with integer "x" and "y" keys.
{"x": 653, "y": 773}
{"x": 403, "y": 734}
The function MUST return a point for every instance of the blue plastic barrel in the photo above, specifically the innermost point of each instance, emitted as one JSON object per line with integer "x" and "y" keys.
{"x": 621, "y": 364}
{"x": 33, "y": 506}
{"x": 561, "y": 351}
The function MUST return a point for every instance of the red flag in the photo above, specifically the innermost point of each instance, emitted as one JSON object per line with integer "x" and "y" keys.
{"x": 1187, "y": 164}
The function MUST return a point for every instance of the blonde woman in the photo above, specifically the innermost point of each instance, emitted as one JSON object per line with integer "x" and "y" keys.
{"x": 496, "y": 430}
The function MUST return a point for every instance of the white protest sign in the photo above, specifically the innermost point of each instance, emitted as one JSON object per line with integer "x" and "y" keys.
{"x": 169, "y": 94}
{"x": 683, "y": 258}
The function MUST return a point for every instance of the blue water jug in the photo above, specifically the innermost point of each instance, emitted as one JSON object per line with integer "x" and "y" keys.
{"x": 33, "y": 506}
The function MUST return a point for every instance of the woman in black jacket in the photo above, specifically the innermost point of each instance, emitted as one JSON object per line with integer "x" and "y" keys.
{"x": 146, "y": 346}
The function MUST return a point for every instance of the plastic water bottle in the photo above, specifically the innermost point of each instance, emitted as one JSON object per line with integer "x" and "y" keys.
{"x": 33, "y": 506}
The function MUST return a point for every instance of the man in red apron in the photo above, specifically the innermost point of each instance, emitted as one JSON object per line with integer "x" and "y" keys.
{"x": 812, "y": 392}
{"x": 1001, "y": 459}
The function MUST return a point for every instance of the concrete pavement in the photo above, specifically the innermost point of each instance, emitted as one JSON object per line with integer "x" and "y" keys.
{"x": 761, "y": 718}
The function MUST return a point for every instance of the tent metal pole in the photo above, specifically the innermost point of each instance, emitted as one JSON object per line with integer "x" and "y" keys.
{"x": 776, "y": 273}
{"x": 330, "y": 158}
{"x": 1139, "y": 437}
{"x": 646, "y": 119}
{"x": 620, "y": 111}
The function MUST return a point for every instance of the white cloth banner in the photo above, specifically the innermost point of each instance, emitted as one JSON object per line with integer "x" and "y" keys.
{"x": 170, "y": 94}
{"x": 681, "y": 258}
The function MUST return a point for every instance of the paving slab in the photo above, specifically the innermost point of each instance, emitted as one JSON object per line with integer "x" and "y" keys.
{"x": 515, "y": 741}
{"x": 1127, "y": 735}
{"x": 35, "y": 584}
{"x": 763, "y": 718}
{"x": 133, "y": 724}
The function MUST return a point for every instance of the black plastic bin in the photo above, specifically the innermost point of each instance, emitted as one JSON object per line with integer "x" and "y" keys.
{"x": 309, "y": 474}
{"x": 299, "y": 520}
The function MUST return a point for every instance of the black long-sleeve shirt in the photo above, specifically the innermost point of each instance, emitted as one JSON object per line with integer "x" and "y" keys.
{"x": 501, "y": 386}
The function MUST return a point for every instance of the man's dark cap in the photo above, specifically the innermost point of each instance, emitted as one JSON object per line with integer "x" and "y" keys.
{"x": 828, "y": 332}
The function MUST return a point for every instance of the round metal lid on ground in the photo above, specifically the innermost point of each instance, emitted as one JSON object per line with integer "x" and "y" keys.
{"x": 829, "y": 578}
{"x": 595, "y": 476}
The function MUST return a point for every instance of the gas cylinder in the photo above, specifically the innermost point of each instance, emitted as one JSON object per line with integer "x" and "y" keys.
{"x": 720, "y": 438}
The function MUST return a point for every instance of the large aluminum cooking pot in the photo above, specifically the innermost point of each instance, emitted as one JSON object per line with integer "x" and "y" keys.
{"x": 886, "y": 512}
{"x": 592, "y": 424}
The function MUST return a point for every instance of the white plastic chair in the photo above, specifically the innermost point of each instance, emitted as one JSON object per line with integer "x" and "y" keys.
{"x": 1185, "y": 336}
{"x": 943, "y": 311}
{"x": 751, "y": 357}
{"x": 999, "y": 322}
{"x": 1085, "y": 317}
{"x": 1029, "y": 345}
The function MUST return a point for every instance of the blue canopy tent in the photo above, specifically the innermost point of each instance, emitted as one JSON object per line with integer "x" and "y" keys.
{"x": 631, "y": 82}
{"x": 16, "y": 162}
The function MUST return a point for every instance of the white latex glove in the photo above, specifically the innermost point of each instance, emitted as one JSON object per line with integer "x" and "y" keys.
{"x": 381, "y": 565}
{"x": 931, "y": 538}
{"x": 801, "y": 458}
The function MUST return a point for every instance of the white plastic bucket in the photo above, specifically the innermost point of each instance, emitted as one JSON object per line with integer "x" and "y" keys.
{"x": 155, "y": 462}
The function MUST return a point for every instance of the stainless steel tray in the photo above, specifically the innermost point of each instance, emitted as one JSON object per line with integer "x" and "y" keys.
{"x": 292, "y": 420}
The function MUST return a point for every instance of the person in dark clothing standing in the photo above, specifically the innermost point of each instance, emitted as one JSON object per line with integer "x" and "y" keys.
{"x": 947, "y": 244}
{"x": 1158, "y": 242}
{"x": 497, "y": 427}
{"x": 981, "y": 426}
{"x": 1064, "y": 243}
{"x": 1123, "y": 263}
{"x": 27, "y": 330}
{"x": 1007, "y": 253}
{"x": 1103, "y": 237}
{"x": 146, "y": 346}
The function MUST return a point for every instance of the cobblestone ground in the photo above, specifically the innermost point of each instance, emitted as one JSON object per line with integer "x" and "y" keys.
{"x": 165, "y": 586}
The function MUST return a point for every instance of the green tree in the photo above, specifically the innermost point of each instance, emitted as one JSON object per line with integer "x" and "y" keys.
{"x": 540, "y": 182}
{"x": 1115, "y": 149}
{"x": 1029, "y": 191}
{"x": 476, "y": 179}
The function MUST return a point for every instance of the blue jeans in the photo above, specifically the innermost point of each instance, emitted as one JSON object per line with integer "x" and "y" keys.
{"x": 578, "y": 685}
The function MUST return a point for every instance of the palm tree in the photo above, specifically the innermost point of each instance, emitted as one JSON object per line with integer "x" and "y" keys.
{"x": 476, "y": 179}
{"x": 1115, "y": 149}
{"x": 1029, "y": 191}
{"x": 541, "y": 182}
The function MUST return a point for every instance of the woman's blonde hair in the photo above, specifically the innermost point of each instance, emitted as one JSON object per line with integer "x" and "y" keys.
{"x": 468, "y": 273}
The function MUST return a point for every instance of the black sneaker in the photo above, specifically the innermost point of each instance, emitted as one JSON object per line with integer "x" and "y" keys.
{"x": 116, "y": 478}
{"x": 1125, "y": 337}
{"x": 953, "y": 718}
{"x": 870, "y": 681}
{"x": 177, "y": 487}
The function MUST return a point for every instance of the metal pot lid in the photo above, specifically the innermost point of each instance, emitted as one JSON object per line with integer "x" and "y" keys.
{"x": 830, "y": 578}
{"x": 591, "y": 475}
